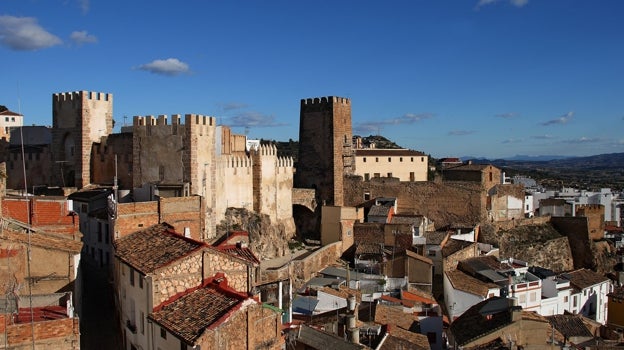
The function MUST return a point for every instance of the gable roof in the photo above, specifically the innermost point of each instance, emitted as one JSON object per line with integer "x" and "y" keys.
{"x": 317, "y": 339}
{"x": 466, "y": 283}
{"x": 43, "y": 240}
{"x": 404, "y": 339}
{"x": 154, "y": 247}
{"x": 481, "y": 319}
{"x": 189, "y": 315}
{"x": 584, "y": 278}
{"x": 569, "y": 325}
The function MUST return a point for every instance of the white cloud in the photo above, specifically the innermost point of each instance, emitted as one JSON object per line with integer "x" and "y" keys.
{"x": 543, "y": 137}
{"x": 516, "y": 3}
{"x": 254, "y": 119}
{"x": 170, "y": 66}
{"x": 83, "y": 37}
{"x": 25, "y": 34}
{"x": 507, "y": 115}
{"x": 583, "y": 140}
{"x": 84, "y": 5}
{"x": 460, "y": 132}
{"x": 512, "y": 140}
{"x": 564, "y": 119}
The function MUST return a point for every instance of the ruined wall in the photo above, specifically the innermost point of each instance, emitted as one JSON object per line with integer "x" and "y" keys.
{"x": 135, "y": 216}
{"x": 595, "y": 214}
{"x": 576, "y": 229}
{"x": 306, "y": 268}
{"x": 450, "y": 262}
{"x": 103, "y": 160}
{"x": 445, "y": 203}
{"x": 250, "y": 327}
{"x": 325, "y": 154}
{"x": 506, "y": 202}
{"x": 78, "y": 120}
{"x": 182, "y": 213}
{"x": 554, "y": 254}
{"x": 62, "y": 334}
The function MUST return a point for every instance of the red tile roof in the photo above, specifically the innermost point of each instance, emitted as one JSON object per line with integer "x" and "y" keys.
{"x": 241, "y": 252}
{"x": 154, "y": 247}
{"x": 188, "y": 315}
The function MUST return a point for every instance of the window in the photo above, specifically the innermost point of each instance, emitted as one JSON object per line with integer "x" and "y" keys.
{"x": 574, "y": 301}
{"x": 411, "y": 159}
{"x": 422, "y": 159}
{"x": 431, "y": 252}
{"x": 565, "y": 299}
{"x": 532, "y": 296}
{"x": 182, "y": 345}
{"x": 412, "y": 176}
{"x": 367, "y": 196}
{"x": 389, "y": 174}
{"x": 376, "y": 159}
{"x": 364, "y": 159}
{"x": 400, "y": 159}
{"x": 366, "y": 176}
{"x": 389, "y": 160}
{"x": 522, "y": 298}
{"x": 490, "y": 176}
{"x": 142, "y": 323}
{"x": 131, "y": 277}
{"x": 377, "y": 175}
{"x": 163, "y": 333}
{"x": 140, "y": 281}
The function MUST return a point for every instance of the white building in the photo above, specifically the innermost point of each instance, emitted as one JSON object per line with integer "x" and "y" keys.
{"x": 9, "y": 120}
{"x": 404, "y": 164}
{"x": 462, "y": 291}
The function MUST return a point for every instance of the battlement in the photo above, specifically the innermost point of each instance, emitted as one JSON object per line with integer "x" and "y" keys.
{"x": 267, "y": 150}
{"x": 80, "y": 95}
{"x": 590, "y": 207}
{"x": 325, "y": 101}
{"x": 232, "y": 161}
{"x": 189, "y": 119}
{"x": 285, "y": 162}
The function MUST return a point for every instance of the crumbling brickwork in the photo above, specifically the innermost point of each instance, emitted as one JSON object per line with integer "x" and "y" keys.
{"x": 62, "y": 334}
{"x": 445, "y": 203}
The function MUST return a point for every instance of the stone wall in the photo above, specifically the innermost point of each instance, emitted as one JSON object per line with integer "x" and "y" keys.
{"x": 450, "y": 262}
{"x": 78, "y": 120}
{"x": 577, "y": 231}
{"x": 554, "y": 254}
{"x": 236, "y": 270}
{"x": 250, "y": 327}
{"x": 178, "y": 277}
{"x": 324, "y": 147}
{"x": 307, "y": 268}
{"x": 115, "y": 150}
{"x": 445, "y": 203}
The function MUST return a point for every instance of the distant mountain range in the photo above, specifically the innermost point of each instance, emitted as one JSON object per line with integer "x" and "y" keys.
{"x": 521, "y": 157}
{"x": 600, "y": 161}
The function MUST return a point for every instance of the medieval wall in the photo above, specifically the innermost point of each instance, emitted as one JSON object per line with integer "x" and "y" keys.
{"x": 272, "y": 183}
{"x": 79, "y": 119}
{"x": 445, "y": 203}
{"x": 595, "y": 214}
{"x": 235, "y": 185}
{"x": 37, "y": 167}
{"x": 103, "y": 160}
{"x": 506, "y": 202}
{"x": 325, "y": 153}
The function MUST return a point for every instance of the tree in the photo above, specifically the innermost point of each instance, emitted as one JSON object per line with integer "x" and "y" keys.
{"x": 3, "y": 108}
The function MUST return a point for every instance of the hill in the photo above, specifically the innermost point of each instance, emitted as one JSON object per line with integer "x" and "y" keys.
{"x": 592, "y": 172}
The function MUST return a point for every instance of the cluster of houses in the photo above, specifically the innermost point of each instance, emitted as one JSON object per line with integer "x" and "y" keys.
{"x": 401, "y": 261}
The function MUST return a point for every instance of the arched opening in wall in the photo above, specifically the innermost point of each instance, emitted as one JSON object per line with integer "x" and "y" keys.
{"x": 307, "y": 223}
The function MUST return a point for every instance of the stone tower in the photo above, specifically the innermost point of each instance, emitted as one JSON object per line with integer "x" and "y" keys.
{"x": 79, "y": 119}
{"x": 325, "y": 154}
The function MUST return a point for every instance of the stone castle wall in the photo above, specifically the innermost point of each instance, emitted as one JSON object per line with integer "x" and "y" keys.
{"x": 325, "y": 154}
{"x": 79, "y": 119}
{"x": 445, "y": 203}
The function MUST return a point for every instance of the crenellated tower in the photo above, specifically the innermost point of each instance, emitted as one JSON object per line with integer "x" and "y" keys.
{"x": 79, "y": 119}
{"x": 325, "y": 152}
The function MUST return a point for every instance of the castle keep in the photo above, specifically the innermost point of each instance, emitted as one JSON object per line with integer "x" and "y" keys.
{"x": 325, "y": 151}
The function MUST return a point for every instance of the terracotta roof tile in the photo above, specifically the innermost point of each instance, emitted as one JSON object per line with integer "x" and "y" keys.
{"x": 43, "y": 240}
{"x": 466, "y": 283}
{"x": 191, "y": 314}
{"x": 569, "y": 325}
{"x": 240, "y": 252}
{"x": 584, "y": 278}
{"x": 154, "y": 247}
{"x": 403, "y": 339}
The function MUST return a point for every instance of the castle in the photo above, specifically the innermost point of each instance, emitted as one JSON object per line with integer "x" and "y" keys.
{"x": 158, "y": 157}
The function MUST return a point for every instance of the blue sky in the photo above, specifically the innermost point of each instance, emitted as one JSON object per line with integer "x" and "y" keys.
{"x": 490, "y": 78}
